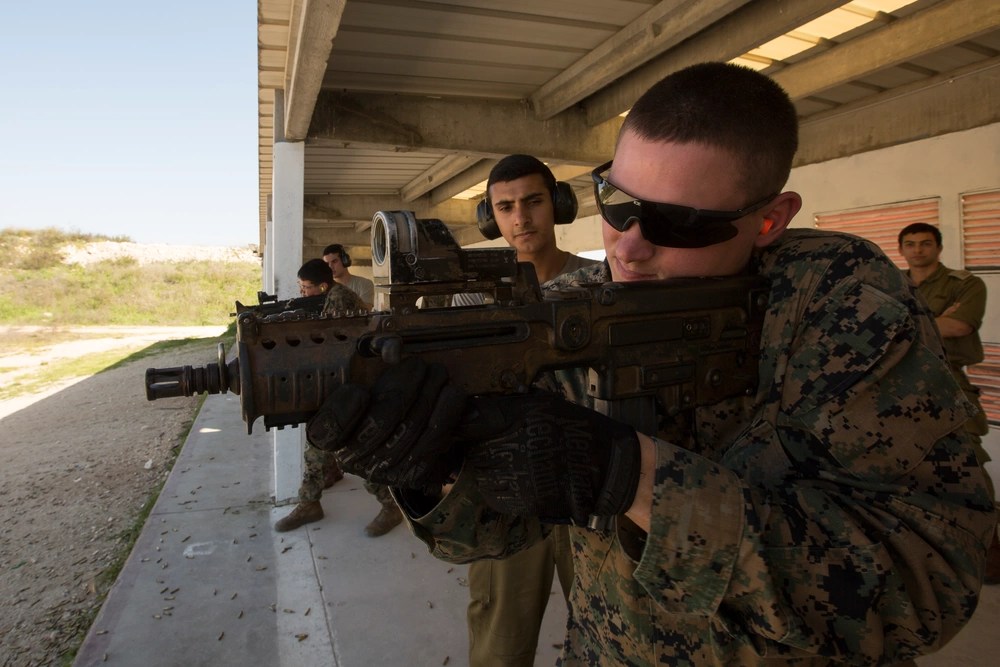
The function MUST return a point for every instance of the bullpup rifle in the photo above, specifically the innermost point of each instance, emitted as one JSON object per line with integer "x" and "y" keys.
{"x": 678, "y": 343}
{"x": 269, "y": 304}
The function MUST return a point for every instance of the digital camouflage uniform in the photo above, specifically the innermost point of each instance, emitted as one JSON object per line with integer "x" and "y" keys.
{"x": 837, "y": 516}
{"x": 942, "y": 289}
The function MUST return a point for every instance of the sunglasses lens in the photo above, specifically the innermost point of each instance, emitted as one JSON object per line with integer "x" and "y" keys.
{"x": 608, "y": 194}
{"x": 662, "y": 224}
{"x": 692, "y": 237}
{"x": 620, "y": 216}
{"x": 668, "y": 226}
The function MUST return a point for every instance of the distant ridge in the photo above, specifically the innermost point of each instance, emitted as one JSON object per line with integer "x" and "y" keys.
{"x": 149, "y": 253}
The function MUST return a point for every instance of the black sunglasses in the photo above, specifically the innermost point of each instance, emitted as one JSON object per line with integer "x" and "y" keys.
{"x": 668, "y": 225}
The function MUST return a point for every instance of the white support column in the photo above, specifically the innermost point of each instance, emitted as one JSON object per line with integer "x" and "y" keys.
{"x": 288, "y": 183}
{"x": 267, "y": 283}
{"x": 288, "y": 202}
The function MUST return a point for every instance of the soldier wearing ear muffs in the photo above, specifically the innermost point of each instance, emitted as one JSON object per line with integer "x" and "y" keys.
{"x": 339, "y": 261}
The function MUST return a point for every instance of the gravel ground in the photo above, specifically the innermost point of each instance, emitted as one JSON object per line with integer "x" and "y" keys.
{"x": 80, "y": 461}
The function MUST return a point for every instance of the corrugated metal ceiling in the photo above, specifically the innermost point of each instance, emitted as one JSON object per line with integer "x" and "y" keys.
{"x": 554, "y": 59}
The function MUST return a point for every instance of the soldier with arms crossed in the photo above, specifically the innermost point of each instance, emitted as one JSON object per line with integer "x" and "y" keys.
{"x": 957, "y": 299}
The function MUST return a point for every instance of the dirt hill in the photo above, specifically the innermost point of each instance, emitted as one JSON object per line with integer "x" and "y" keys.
{"x": 145, "y": 253}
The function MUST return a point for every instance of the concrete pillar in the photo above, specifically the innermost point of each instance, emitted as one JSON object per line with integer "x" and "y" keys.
{"x": 288, "y": 185}
{"x": 267, "y": 283}
{"x": 288, "y": 192}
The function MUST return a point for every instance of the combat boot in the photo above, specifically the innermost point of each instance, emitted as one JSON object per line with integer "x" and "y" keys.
{"x": 304, "y": 512}
{"x": 388, "y": 518}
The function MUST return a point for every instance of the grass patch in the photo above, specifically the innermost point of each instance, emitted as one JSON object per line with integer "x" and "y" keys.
{"x": 36, "y": 288}
{"x": 108, "y": 293}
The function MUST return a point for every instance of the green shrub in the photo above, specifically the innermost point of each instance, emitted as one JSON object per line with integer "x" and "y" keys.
{"x": 117, "y": 292}
{"x": 34, "y": 249}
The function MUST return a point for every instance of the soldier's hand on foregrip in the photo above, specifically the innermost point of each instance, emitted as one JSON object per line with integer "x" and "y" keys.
{"x": 540, "y": 455}
{"x": 399, "y": 432}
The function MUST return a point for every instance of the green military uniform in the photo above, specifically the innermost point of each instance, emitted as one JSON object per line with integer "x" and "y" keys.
{"x": 940, "y": 290}
{"x": 508, "y": 597}
{"x": 838, "y": 515}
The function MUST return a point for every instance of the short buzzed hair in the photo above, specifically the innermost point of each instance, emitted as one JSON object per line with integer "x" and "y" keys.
{"x": 920, "y": 228}
{"x": 518, "y": 166}
{"x": 726, "y": 106}
{"x": 317, "y": 272}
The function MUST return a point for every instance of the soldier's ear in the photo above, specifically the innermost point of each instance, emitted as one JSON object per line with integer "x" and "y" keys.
{"x": 777, "y": 216}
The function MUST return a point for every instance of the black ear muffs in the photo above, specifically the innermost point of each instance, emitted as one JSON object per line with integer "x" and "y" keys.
{"x": 564, "y": 208}
{"x": 345, "y": 259}
{"x": 484, "y": 218}
{"x": 564, "y": 204}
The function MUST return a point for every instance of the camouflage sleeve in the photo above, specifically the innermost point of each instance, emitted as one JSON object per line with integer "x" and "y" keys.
{"x": 460, "y": 528}
{"x": 341, "y": 300}
{"x": 851, "y": 520}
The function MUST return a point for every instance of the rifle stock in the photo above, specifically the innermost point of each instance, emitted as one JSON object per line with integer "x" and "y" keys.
{"x": 682, "y": 343}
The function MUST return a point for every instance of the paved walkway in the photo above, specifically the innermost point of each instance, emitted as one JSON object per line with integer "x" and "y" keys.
{"x": 209, "y": 582}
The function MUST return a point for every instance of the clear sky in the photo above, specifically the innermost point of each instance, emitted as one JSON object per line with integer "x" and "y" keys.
{"x": 124, "y": 117}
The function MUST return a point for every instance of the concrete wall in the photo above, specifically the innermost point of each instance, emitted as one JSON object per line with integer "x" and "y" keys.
{"x": 945, "y": 167}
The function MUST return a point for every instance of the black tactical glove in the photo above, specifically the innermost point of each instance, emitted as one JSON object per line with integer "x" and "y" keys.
{"x": 540, "y": 455}
{"x": 399, "y": 433}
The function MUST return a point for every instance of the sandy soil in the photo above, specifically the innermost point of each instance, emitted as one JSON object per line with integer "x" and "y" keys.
{"x": 80, "y": 460}
{"x": 146, "y": 253}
